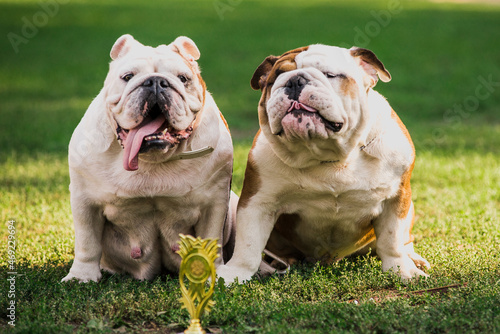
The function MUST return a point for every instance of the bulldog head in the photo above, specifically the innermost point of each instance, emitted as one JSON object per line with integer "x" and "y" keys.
{"x": 153, "y": 96}
{"x": 314, "y": 101}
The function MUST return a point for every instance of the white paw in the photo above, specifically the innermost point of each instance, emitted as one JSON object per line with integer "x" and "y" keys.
{"x": 412, "y": 273}
{"x": 419, "y": 261}
{"x": 403, "y": 267}
{"x": 230, "y": 274}
{"x": 83, "y": 273}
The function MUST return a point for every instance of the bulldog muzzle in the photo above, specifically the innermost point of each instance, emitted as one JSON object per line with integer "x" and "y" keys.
{"x": 155, "y": 131}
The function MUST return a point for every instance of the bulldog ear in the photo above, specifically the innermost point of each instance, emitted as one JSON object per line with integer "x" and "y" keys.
{"x": 262, "y": 72}
{"x": 186, "y": 48}
{"x": 371, "y": 65}
{"x": 122, "y": 46}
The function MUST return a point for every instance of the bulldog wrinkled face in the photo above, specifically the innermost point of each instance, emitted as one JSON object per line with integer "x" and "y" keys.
{"x": 317, "y": 99}
{"x": 314, "y": 97}
{"x": 154, "y": 95}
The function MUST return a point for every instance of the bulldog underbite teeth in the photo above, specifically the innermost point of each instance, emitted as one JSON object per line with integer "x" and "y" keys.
{"x": 151, "y": 158}
{"x": 328, "y": 174}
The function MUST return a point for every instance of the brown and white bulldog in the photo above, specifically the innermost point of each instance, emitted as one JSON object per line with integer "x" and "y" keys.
{"x": 151, "y": 158}
{"x": 329, "y": 171}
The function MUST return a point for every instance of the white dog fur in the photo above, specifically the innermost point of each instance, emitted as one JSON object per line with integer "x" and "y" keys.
{"x": 128, "y": 221}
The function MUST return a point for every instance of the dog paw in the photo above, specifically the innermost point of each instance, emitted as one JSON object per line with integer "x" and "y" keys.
{"x": 233, "y": 274}
{"x": 83, "y": 275}
{"x": 412, "y": 274}
{"x": 403, "y": 267}
{"x": 419, "y": 261}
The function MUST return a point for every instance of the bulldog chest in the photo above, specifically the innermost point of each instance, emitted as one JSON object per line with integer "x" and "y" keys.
{"x": 330, "y": 217}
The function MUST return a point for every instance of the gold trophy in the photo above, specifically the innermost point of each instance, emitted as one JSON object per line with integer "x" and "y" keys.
{"x": 197, "y": 267}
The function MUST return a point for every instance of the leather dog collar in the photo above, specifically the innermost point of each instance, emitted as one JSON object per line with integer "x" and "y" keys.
{"x": 193, "y": 154}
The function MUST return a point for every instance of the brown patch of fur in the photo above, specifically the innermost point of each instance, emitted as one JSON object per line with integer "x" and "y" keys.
{"x": 349, "y": 87}
{"x": 411, "y": 237}
{"x": 366, "y": 239}
{"x": 265, "y": 70}
{"x": 404, "y": 195}
{"x": 224, "y": 120}
{"x": 251, "y": 182}
{"x": 284, "y": 64}
{"x": 260, "y": 75}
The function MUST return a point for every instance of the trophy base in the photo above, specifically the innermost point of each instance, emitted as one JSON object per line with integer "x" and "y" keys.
{"x": 194, "y": 328}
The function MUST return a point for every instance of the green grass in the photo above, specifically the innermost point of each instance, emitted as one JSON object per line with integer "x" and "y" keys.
{"x": 437, "y": 54}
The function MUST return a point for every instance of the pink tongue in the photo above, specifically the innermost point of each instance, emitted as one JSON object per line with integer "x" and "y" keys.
{"x": 297, "y": 105}
{"x": 134, "y": 141}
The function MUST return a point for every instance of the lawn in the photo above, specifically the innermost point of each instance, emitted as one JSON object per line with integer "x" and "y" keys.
{"x": 445, "y": 63}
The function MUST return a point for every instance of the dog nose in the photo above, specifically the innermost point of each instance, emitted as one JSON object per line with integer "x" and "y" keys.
{"x": 334, "y": 126}
{"x": 294, "y": 87}
{"x": 155, "y": 84}
{"x": 337, "y": 127}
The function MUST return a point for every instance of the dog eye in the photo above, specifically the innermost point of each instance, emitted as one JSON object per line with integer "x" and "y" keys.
{"x": 127, "y": 77}
{"x": 331, "y": 75}
{"x": 182, "y": 78}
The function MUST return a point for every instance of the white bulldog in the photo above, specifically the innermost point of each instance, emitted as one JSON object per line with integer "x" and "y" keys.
{"x": 151, "y": 158}
{"x": 329, "y": 171}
